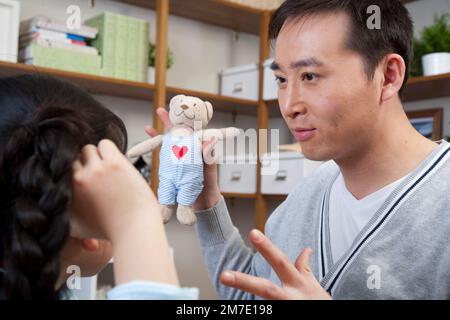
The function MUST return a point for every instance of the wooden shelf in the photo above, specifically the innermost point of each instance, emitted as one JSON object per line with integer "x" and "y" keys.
{"x": 239, "y": 195}
{"x": 274, "y": 109}
{"x": 275, "y": 197}
{"x": 216, "y": 12}
{"x": 220, "y": 103}
{"x": 432, "y": 87}
{"x": 94, "y": 84}
{"x": 128, "y": 89}
{"x": 419, "y": 88}
{"x": 221, "y": 13}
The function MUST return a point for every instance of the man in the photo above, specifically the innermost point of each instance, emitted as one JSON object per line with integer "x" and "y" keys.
{"x": 372, "y": 223}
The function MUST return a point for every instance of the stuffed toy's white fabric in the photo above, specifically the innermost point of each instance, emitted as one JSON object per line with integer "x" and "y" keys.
{"x": 181, "y": 156}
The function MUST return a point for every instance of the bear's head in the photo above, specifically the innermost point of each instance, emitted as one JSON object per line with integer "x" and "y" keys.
{"x": 190, "y": 111}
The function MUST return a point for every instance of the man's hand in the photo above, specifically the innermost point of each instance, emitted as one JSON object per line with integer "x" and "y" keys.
{"x": 298, "y": 281}
{"x": 211, "y": 192}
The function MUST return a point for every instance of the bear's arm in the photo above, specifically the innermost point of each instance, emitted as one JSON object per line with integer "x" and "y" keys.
{"x": 145, "y": 147}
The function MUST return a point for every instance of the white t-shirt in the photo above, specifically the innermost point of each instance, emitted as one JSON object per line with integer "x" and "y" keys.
{"x": 349, "y": 215}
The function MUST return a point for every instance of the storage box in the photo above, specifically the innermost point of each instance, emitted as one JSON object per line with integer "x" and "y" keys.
{"x": 281, "y": 172}
{"x": 237, "y": 174}
{"x": 270, "y": 87}
{"x": 123, "y": 43}
{"x": 63, "y": 59}
{"x": 9, "y": 26}
{"x": 240, "y": 82}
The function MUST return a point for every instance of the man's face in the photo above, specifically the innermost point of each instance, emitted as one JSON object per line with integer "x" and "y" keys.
{"x": 325, "y": 96}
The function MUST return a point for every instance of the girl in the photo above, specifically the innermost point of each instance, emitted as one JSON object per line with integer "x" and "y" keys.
{"x": 69, "y": 197}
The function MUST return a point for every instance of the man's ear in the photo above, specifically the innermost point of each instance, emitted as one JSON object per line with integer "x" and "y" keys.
{"x": 90, "y": 244}
{"x": 209, "y": 110}
{"x": 394, "y": 70}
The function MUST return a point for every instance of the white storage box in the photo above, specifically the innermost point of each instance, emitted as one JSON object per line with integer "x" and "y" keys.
{"x": 237, "y": 174}
{"x": 9, "y": 26}
{"x": 281, "y": 172}
{"x": 240, "y": 82}
{"x": 270, "y": 87}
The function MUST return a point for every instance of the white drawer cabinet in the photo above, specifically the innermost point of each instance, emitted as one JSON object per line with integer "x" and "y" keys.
{"x": 281, "y": 172}
{"x": 240, "y": 82}
{"x": 238, "y": 175}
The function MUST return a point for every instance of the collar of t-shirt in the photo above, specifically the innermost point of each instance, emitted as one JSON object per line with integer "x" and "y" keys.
{"x": 348, "y": 215}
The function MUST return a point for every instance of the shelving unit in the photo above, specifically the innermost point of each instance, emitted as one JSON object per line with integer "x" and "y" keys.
{"x": 128, "y": 89}
{"x": 224, "y": 14}
{"x": 216, "y": 12}
{"x": 275, "y": 197}
{"x": 431, "y": 87}
{"x": 239, "y": 195}
{"x": 94, "y": 84}
{"x": 220, "y": 103}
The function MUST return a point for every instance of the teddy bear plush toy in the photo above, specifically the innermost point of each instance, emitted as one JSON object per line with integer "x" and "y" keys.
{"x": 181, "y": 156}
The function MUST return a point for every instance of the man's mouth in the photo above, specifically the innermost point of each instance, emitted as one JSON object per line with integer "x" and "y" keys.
{"x": 304, "y": 134}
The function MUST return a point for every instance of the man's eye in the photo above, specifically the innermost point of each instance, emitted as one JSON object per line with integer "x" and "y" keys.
{"x": 308, "y": 76}
{"x": 280, "y": 80}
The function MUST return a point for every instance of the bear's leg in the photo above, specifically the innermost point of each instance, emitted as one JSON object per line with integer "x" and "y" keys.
{"x": 167, "y": 198}
{"x": 167, "y": 212}
{"x": 186, "y": 215}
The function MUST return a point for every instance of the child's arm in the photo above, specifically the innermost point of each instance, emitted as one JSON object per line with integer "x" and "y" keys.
{"x": 112, "y": 201}
{"x": 145, "y": 147}
{"x": 219, "y": 134}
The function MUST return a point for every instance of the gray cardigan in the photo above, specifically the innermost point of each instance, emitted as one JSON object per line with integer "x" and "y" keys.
{"x": 402, "y": 253}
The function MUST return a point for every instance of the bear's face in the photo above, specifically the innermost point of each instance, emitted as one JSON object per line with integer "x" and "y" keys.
{"x": 190, "y": 111}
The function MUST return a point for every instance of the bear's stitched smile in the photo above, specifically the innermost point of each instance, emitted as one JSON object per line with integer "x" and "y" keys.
{"x": 182, "y": 112}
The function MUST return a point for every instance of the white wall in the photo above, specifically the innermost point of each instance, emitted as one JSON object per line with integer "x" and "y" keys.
{"x": 424, "y": 11}
{"x": 200, "y": 50}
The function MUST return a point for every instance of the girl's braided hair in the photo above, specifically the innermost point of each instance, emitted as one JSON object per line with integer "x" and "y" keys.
{"x": 44, "y": 123}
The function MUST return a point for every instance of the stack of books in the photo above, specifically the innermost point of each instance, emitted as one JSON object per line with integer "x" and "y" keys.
{"x": 123, "y": 43}
{"x": 52, "y": 44}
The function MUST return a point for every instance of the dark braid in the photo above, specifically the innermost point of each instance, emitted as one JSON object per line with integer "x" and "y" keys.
{"x": 40, "y": 156}
{"x": 36, "y": 162}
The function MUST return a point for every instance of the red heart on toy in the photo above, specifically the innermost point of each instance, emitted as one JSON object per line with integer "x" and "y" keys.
{"x": 179, "y": 152}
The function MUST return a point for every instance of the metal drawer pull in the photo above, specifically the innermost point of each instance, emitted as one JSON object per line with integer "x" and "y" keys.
{"x": 235, "y": 176}
{"x": 281, "y": 175}
{"x": 238, "y": 87}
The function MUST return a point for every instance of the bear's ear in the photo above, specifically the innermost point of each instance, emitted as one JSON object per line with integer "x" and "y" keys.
{"x": 176, "y": 100}
{"x": 209, "y": 110}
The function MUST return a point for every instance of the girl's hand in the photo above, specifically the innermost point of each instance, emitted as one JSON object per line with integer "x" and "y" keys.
{"x": 111, "y": 200}
{"x": 108, "y": 193}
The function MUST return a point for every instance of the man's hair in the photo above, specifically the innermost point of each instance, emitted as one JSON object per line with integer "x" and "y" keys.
{"x": 394, "y": 36}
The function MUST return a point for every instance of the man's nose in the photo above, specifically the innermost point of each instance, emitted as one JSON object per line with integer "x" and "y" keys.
{"x": 184, "y": 107}
{"x": 292, "y": 103}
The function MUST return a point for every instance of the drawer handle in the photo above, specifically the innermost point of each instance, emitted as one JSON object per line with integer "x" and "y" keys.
{"x": 235, "y": 176}
{"x": 281, "y": 175}
{"x": 238, "y": 87}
